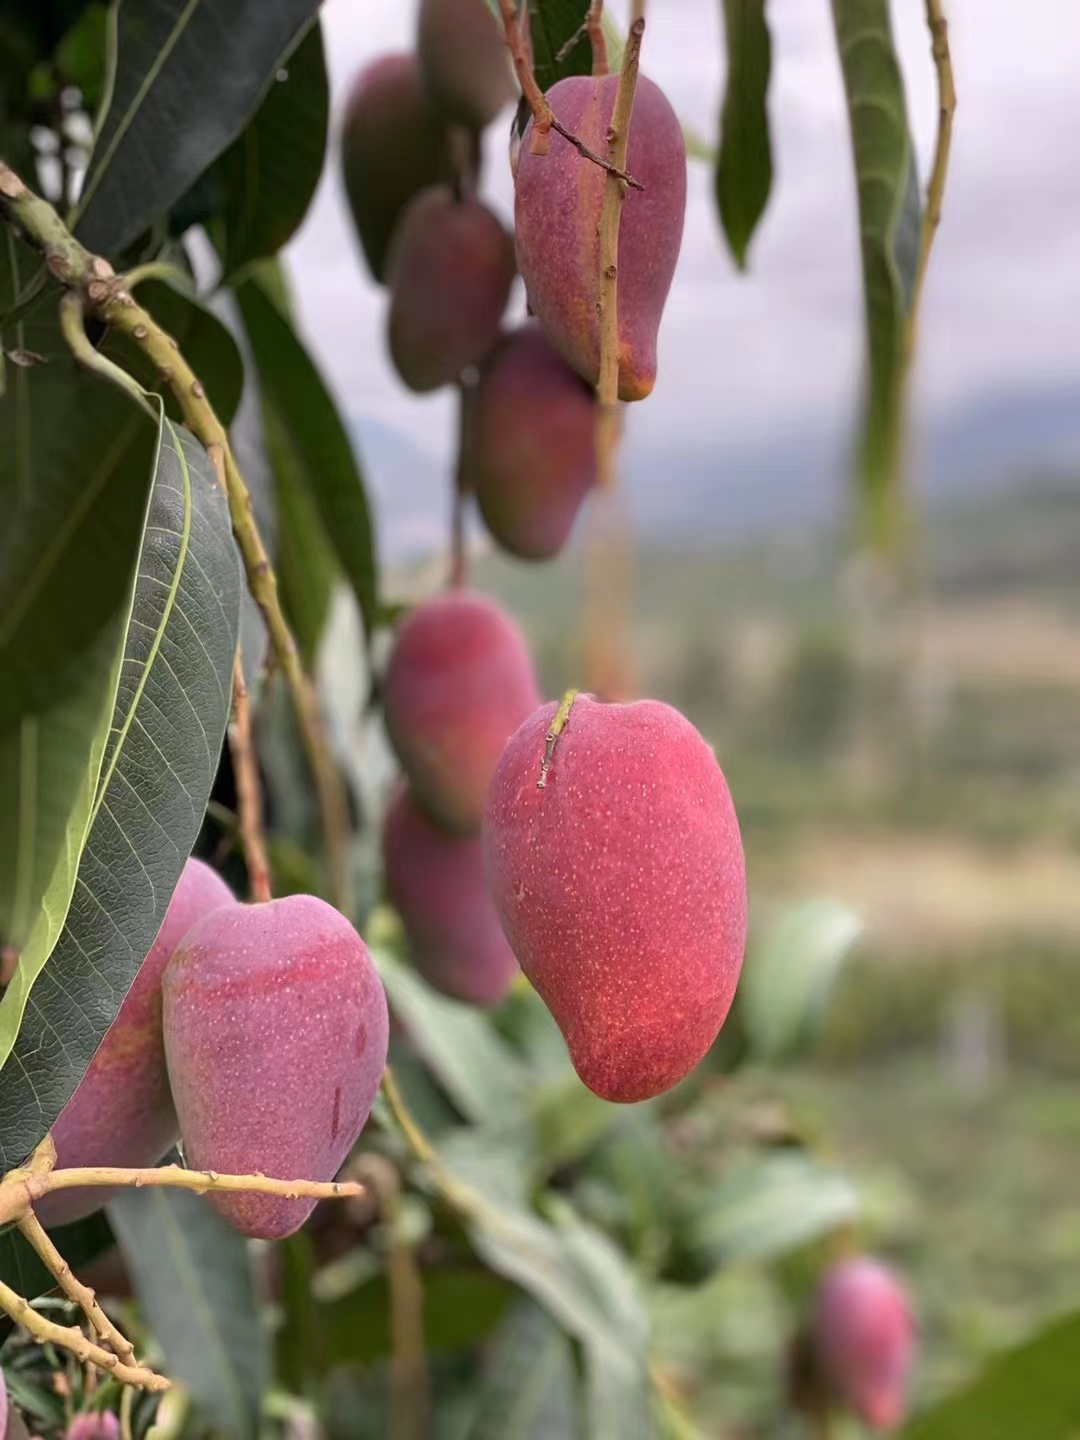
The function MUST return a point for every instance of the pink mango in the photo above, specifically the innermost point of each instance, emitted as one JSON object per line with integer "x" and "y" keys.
{"x": 559, "y": 197}
{"x": 122, "y": 1111}
{"x": 458, "y": 684}
{"x": 864, "y": 1333}
{"x": 464, "y": 60}
{"x": 393, "y": 144}
{"x": 451, "y": 266}
{"x": 435, "y": 881}
{"x": 533, "y": 447}
{"x": 621, "y": 886}
{"x": 276, "y": 1031}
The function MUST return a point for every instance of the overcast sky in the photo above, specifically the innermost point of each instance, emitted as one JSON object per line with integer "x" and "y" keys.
{"x": 743, "y": 359}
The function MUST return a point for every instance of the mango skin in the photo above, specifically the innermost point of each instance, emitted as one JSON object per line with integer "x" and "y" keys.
{"x": 864, "y": 1334}
{"x": 122, "y": 1111}
{"x": 621, "y": 887}
{"x": 393, "y": 145}
{"x": 464, "y": 61}
{"x": 450, "y": 268}
{"x": 558, "y": 200}
{"x": 435, "y": 881}
{"x": 458, "y": 684}
{"x": 532, "y": 453}
{"x": 276, "y": 1031}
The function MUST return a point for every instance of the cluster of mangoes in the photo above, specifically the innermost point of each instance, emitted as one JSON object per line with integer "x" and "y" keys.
{"x": 609, "y": 856}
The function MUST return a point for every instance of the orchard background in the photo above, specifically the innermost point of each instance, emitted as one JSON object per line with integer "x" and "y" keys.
{"x": 855, "y": 580}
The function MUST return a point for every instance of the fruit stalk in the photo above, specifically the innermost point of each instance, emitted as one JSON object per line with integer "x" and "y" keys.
{"x": 545, "y": 119}
{"x": 248, "y": 792}
{"x": 609, "y": 560}
{"x": 109, "y": 297}
{"x": 594, "y": 27}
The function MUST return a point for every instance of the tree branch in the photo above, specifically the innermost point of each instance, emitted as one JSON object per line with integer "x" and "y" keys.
{"x": 935, "y": 190}
{"x": 107, "y": 297}
{"x": 594, "y": 24}
{"x": 70, "y": 1337}
{"x": 248, "y": 790}
{"x": 609, "y": 558}
{"x": 75, "y": 1290}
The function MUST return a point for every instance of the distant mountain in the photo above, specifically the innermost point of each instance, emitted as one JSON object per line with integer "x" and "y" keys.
{"x": 696, "y": 493}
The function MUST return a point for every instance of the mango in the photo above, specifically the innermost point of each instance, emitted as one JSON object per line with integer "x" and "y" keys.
{"x": 393, "y": 144}
{"x": 532, "y": 451}
{"x": 122, "y": 1111}
{"x": 450, "y": 269}
{"x": 276, "y": 1032}
{"x": 613, "y": 855}
{"x": 435, "y": 881}
{"x": 464, "y": 61}
{"x": 458, "y": 684}
{"x": 558, "y": 200}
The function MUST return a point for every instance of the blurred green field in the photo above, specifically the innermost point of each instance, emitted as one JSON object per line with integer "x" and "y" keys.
{"x": 946, "y": 1077}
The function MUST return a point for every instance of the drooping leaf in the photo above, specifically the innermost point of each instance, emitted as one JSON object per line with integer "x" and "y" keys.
{"x": 584, "y": 1283}
{"x": 204, "y": 341}
{"x": 477, "y": 1069}
{"x": 889, "y": 222}
{"x": 321, "y": 454}
{"x": 744, "y": 163}
{"x": 552, "y": 25}
{"x": 788, "y": 979}
{"x": 159, "y": 764}
{"x": 186, "y": 77}
{"x": 76, "y": 462}
{"x": 79, "y": 1243}
{"x": 529, "y": 1385}
{"x": 1030, "y": 1390}
{"x": 307, "y": 567}
{"x": 254, "y": 197}
{"x": 192, "y": 1274}
{"x": 770, "y": 1206}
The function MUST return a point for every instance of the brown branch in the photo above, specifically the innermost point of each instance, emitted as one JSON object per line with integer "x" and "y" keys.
{"x": 935, "y": 190}
{"x": 106, "y": 296}
{"x": 70, "y": 1337}
{"x": 409, "y": 1393}
{"x": 544, "y": 118}
{"x": 248, "y": 789}
{"x": 594, "y": 24}
{"x": 609, "y": 557}
{"x": 459, "y": 559}
{"x": 80, "y": 1294}
{"x": 20, "y": 1190}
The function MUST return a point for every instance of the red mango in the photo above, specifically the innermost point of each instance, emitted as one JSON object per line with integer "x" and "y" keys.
{"x": 614, "y": 859}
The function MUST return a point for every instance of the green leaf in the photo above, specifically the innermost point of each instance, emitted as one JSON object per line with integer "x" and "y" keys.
{"x": 79, "y": 1244}
{"x": 204, "y": 341}
{"x": 770, "y": 1206}
{"x": 744, "y": 164}
{"x": 193, "y": 1276}
{"x": 255, "y": 196}
{"x": 787, "y": 981}
{"x": 529, "y": 1385}
{"x": 552, "y": 25}
{"x": 75, "y": 469}
{"x": 185, "y": 78}
{"x": 1029, "y": 1391}
{"x": 462, "y": 1306}
{"x": 574, "y": 1272}
{"x": 479, "y": 1072}
{"x": 889, "y": 222}
{"x": 159, "y": 764}
{"x": 307, "y": 568}
{"x": 320, "y": 453}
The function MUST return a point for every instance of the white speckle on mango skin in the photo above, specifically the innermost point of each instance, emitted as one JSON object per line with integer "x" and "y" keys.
{"x": 621, "y": 887}
{"x": 276, "y": 1032}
